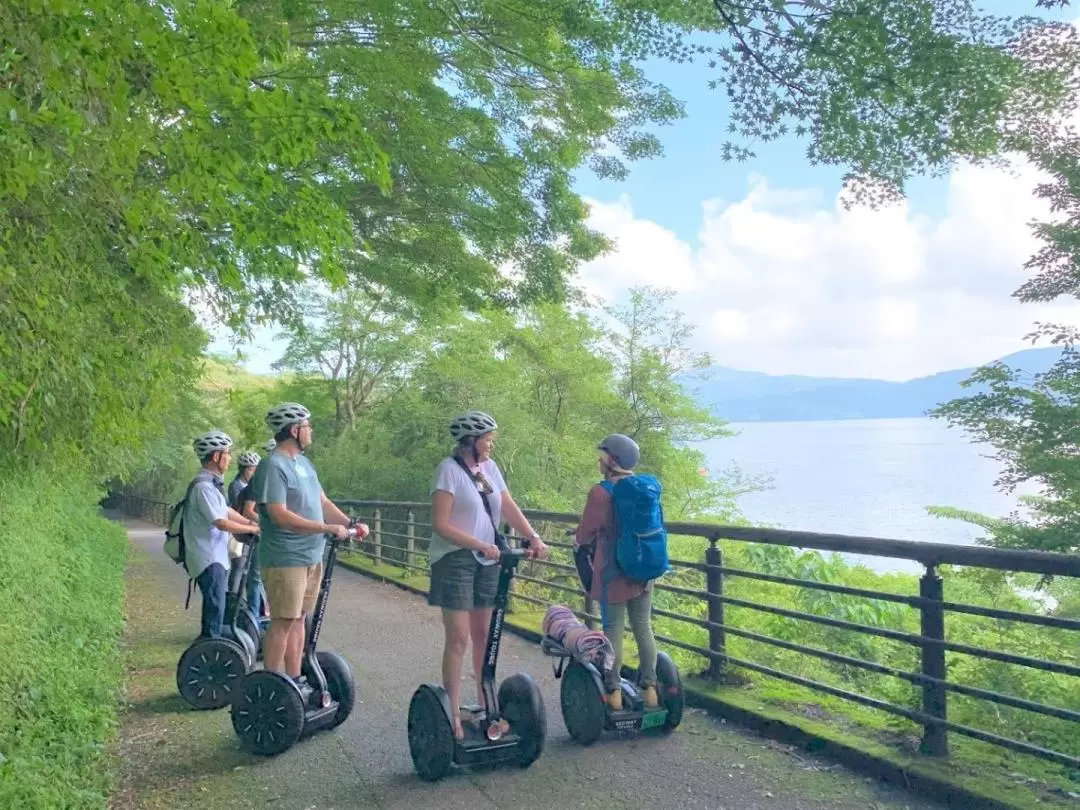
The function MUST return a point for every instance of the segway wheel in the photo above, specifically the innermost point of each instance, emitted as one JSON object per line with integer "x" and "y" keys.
{"x": 670, "y": 689}
{"x": 267, "y": 713}
{"x": 582, "y": 703}
{"x": 431, "y": 735}
{"x": 340, "y": 682}
{"x": 210, "y": 671}
{"x": 523, "y": 707}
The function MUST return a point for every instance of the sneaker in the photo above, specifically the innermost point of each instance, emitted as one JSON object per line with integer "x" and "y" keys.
{"x": 614, "y": 700}
{"x": 651, "y": 700}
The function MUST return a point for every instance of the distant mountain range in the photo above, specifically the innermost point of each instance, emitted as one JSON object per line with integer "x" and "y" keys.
{"x": 751, "y": 396}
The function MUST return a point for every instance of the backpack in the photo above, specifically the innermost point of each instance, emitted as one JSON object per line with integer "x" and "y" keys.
{"x": 641, "y": 547}
{"x": 175, "y": 547}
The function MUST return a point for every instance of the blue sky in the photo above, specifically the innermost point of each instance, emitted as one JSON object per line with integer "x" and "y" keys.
{"x": 776, "y": 278}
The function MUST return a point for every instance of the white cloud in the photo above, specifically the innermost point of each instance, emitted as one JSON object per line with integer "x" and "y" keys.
{"x": 784, "y": 281}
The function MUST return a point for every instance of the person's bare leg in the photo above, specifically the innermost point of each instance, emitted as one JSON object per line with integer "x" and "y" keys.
{"x": 295, "y": 648}
{"x": 275, "y": 643}
{"x": 456, "y": 625}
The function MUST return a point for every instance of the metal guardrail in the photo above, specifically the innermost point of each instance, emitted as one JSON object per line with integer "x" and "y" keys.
{"x": 135, "y": 506}
{"x": 399, "y": 539}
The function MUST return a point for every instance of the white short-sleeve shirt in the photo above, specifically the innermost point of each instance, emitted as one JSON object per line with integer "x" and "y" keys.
{"x": 467, "y": 513}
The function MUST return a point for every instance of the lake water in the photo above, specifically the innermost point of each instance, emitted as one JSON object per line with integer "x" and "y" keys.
{"x": 871, "y": 477}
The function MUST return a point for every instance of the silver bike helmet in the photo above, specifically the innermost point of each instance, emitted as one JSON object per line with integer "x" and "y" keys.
{"x": 288, "y": 413}
{"x": 471, "y": 423}
{"x": 213, "y": 441}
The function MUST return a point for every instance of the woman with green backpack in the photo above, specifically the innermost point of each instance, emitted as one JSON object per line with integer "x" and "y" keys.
{"x": 619, "y": 594}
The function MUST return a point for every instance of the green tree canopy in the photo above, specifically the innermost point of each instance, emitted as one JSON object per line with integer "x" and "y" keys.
{"x": 192, "y": 154}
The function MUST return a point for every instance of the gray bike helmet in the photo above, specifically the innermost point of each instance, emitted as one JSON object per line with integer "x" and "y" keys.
{"x": 270, "y": 445}
{"x": 471, "y": 423}
{"x": 622, "y": 449}
{"x": 249, "y": 458}
{"x": 288, "y": 413}
{"x": 213, "y": 441}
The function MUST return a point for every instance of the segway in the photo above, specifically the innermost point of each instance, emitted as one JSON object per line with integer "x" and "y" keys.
{"x": 432, "y": 744}
{"x": 585, "y": 709}
{"x": 271, "y": 711}
{"x": 251, "y": 623}
{"x": 210, "y": 668}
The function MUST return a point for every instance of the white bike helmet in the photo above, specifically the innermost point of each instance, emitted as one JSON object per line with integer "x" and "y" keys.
{"x": 289, "y": 413}
{"x": 270, "y": 445}
{"x": 213, "y": 441}
{"x": 249, "y": 458}
{"x": 471, "y": 423}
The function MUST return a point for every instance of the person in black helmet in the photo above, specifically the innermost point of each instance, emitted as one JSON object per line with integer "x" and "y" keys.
{"x": 464, "y": 549}
{"x": 617, "y": 595}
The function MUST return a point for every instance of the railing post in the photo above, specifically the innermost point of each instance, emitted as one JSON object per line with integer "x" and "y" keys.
{"x": 714, "y": 586}
{"x": 410, "y": 539}
{"x": 377, "y": 534}
{"x": 934, "y": 740}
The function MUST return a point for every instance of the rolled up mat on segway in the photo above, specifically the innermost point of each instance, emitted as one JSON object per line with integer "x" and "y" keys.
{"x": 585, "y": 645}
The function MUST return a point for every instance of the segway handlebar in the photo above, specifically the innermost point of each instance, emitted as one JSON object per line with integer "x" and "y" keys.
{"x": 357, "y": 530}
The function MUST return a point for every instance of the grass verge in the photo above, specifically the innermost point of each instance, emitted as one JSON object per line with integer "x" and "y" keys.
{"x": 61, "y": 585}
{"x": 166, "y": 754}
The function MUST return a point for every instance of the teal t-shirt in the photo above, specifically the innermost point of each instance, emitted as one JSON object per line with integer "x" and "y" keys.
{"x": 293, "y": 482}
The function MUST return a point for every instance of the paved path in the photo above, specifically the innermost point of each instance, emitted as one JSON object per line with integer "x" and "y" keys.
{"x": 393, "y": 639}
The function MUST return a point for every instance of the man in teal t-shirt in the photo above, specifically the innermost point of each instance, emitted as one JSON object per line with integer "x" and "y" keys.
{"x": 292, "y": 509}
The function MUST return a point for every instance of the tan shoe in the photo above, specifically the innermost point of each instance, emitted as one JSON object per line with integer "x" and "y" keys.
{"x": 614, "y": 700}
{"x": 651, "y": 700}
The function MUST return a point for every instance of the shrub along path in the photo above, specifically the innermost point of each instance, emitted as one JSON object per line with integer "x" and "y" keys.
{"x": 174, "y": 757}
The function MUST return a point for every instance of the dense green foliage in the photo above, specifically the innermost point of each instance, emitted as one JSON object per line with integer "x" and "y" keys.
{"x": 557, "y": 381}
{"x": 216, "y": 155}
{"x": 164, "y": 166}
{"x": 62, "y": 587}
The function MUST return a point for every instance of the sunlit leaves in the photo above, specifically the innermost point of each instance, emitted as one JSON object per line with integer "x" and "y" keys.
{"x": 884, "y": 89}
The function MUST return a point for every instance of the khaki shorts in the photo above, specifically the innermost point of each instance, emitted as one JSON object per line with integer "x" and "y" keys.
{"x": 292, "y": 592}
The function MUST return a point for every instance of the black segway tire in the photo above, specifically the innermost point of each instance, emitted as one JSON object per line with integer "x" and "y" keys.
{"x": 431, "y": 735}
{"x": 583, "y": 708}
{"x": 669, "y": 687}
{"x": 523, "y": 707}
{"x": 267, "y": 713}
{"x": 210, "y": 671}
{"x": 340, "y": 682}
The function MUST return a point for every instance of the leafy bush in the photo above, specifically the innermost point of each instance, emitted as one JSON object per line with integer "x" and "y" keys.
{"x": 62, "y": 587}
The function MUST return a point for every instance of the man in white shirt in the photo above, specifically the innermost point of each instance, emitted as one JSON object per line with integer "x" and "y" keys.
{"x": 208, "y": 522}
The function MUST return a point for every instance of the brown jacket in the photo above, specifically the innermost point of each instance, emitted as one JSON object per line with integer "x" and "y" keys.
{"x": 597, "y": 525}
